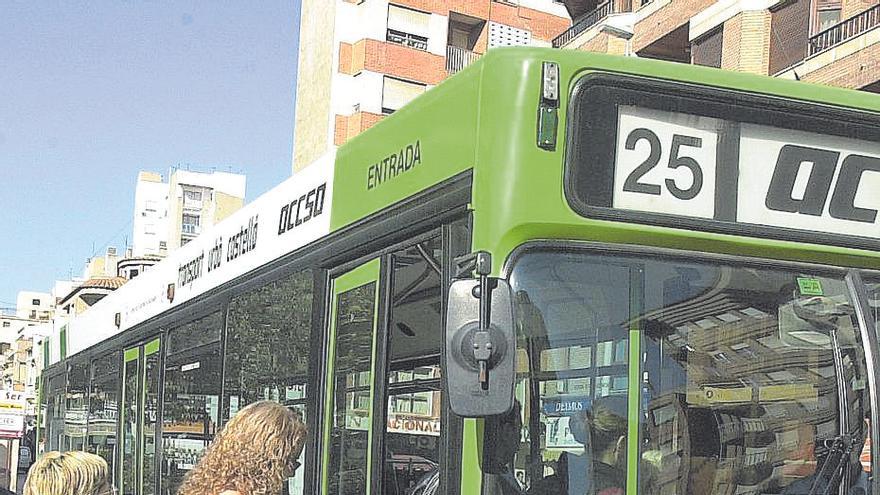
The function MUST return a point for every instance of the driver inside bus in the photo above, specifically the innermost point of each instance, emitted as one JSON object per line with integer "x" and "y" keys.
{"x": 601, "y": 468}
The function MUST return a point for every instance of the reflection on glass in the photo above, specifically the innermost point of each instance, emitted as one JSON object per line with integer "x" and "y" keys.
{"x": 351, "y": 390}
{"x": 151, "y": 418}
{"x": 54, "y": 412}
{"x": 104, "y": 408}
{"x": 75, "y": 408}
{"x": 129, "y": 427}
{"x": 190, "y": 413}
{"x": 267, "y": 349}
{"x": 737, "y": 370}
{"x": 412, "y": 440}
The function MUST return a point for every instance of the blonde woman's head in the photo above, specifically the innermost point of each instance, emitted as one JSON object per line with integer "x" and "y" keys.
{"x": 254, "y": 454}
{"x": 68, "y": 473}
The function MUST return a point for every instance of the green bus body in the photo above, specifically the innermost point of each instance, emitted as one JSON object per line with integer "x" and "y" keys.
{"x": 478, "y": 132}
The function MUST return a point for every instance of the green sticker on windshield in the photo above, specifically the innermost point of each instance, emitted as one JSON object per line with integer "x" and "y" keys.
{"x": 810, "y": 286}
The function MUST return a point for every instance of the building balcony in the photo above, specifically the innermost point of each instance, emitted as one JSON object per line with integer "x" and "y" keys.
{"x": 586, "y": 22}
{"x": 844, "y": 31}
{"x": 349, "y": 126}
{"x": 846, "y": 54}
{"x": 392, "y": 59}
{"x": 458, "y": 58}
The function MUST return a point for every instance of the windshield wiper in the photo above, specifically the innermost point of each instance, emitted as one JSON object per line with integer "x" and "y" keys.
{"x": 834, "y": 465}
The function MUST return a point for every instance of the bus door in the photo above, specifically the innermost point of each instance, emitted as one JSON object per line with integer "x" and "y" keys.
{"x": 349, "y": 405}
{"x": 138, "y": 416}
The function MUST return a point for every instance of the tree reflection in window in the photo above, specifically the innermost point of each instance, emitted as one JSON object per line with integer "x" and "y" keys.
{"x": 190, "y": 414}
{"x": 268, "y": 337}
{"x": 351, "y": 390}
{"x": 104, "y": 408}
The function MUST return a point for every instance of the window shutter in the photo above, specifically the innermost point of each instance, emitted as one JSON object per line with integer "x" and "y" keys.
{"x": 408, "y": 20}
{"x": 397, "y": 93}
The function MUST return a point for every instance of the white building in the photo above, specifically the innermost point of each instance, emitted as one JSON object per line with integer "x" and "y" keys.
{"x": 198, "y": 200}
{"x": 34, "y": 305}
{"x": 149, "y": 226}
{"x": 170, "y": 214}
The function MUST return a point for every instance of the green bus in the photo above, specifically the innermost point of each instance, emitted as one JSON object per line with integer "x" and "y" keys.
{"x": 556, "y": 272}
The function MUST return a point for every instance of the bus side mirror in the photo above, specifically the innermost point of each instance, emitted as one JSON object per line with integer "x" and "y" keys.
{"x": 480, "y": 346}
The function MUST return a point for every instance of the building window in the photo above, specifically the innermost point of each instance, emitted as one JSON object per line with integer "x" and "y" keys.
{"x": 6, "y": 324}
{"x": 190, "y": 224}
{"x": 397, "y": 93}
{"x": 192, "y": 199}
{"x": 35, "y": 302}
{"x": 826, "y": 19}
{"x": 151, "y": 206}
{"x": 408, "y": 27}
{"x": 410, "y": 40}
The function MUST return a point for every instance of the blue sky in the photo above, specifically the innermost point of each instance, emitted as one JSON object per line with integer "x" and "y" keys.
{"x": 92, "y": 92}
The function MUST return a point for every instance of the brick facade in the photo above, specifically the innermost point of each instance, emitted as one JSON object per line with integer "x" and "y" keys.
{"x": 665, "y": 20}
{"x": 392, "y": 59}
{"x": 746, "y": 42}
{"x": 349, "y": 126}
{"x": 849, "y": 8}
{"x": 790, "y": 29}
{"x": 410, "y": 64}
{"x": 604, "y": 42}
{"x": 855, "y": 71}
{"x": 771, "y": 41}
{"x": 396, "y": 60}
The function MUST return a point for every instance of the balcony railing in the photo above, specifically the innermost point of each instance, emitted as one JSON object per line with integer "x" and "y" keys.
{"x": 844, "y": 31}
{"x": 458, "y": 58}
{"x": 585, "y": 22}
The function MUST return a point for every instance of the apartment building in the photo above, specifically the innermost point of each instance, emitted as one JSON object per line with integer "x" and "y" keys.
{"x": 360, "y": 60}
{"x": 833, "y": 42}
{"x": 34, "y": 305}
{"x": 169, "y": 214}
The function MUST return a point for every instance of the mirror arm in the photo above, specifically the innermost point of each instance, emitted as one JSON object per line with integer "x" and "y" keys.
{"x": 482, "y": 339}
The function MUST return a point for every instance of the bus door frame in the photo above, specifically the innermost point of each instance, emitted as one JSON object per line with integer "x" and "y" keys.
{"x": 138, "y": 354}
{"x": 363, "y": 274}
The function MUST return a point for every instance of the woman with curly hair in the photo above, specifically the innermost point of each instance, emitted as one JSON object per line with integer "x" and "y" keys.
{"x": 254, "y": 454}
{"x": 68, "y": 473}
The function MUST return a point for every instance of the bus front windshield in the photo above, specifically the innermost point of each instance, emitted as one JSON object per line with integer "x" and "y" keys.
{"x": 679, "y": 377}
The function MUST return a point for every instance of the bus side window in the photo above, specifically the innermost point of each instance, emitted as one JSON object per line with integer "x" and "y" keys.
{"x": 267, "y": 350}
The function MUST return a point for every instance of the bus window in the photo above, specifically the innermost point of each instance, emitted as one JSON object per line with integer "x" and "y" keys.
{"x": 75, "y": 408}
{"x": 103, "y": 408}
{"x": 354, "y": 322}
{"x": 150, "y": 417}
{"x": 54, "y": 412}
{"x": 268, "y": 337}
{"x": 192, "y": 394}
{"x": 412, "y": 432}
{"x": 874, "y": 298}
{"x": 738, "y": 383}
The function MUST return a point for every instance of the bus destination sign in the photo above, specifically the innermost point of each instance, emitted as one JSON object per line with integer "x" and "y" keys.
{"x": 674, "y": 164}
